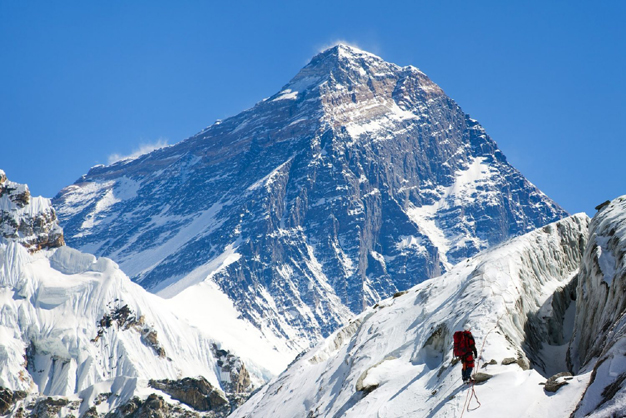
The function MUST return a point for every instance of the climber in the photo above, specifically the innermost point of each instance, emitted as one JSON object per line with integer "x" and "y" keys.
{"x": 465, "y": 349}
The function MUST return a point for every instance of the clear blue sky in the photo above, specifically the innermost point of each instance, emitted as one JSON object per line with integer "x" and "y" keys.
{"x": 81, "y": 81}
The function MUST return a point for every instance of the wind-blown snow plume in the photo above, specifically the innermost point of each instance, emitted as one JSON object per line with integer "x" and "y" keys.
{"x": 143, "y": 149}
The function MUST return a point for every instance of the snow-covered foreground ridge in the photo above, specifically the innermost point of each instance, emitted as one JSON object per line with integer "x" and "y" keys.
{"x": 394, "y": 360}
{"x": 73, "y": 326}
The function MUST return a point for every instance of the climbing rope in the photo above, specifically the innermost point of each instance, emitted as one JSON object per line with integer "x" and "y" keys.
{"x": 472, "y": 392}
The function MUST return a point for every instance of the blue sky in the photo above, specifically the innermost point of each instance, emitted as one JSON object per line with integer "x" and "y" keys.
{"x": 85, "y": 81}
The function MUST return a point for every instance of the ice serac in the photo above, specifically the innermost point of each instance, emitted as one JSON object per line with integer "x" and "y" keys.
{"x": 358, "y": 179}
{"x": 79, "y": 338}
{"x": 395, "y": 359}
{"x": 599, "y": 342}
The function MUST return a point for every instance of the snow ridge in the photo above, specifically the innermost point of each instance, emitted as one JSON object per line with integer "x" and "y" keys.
{"x": 394, "y": 360}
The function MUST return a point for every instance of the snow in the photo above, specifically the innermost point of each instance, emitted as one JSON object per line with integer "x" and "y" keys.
{"x": 269, "y": 178}
{"x": 204, "y": 272}
{"x": 606, "y": 260}
{"x": 286, "y": 95}
{"x": 144, "y": 261}
{"x": 52, "y": 302}
{"x": 303, "y": 83}
{"x": 465, "y": 188}
{"x": 400, "y": 350}
{"x": 599, "y": 342}
{"x": 206, "y": 307}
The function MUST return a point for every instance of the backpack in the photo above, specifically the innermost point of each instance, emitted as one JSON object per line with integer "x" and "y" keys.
{"x": 461, "y": 344}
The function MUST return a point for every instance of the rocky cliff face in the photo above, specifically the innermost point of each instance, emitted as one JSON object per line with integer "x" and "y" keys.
{"x": 599, "y": 342}
{"x": 358, "y": 179}
{"x": 30, "y": 221}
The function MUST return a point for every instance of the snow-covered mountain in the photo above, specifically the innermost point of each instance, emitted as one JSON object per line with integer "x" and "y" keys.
{"x": 78, "y": 337}
{"x": 395, "y": 359}
{"x": 548, "y": 310}
{"x": 358, "y": 179}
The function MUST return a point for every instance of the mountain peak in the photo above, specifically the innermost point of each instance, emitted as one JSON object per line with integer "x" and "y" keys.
{"x": 344, "y": 56}
{"x": 344, "y": 65}
{"x": 343, "y": 50}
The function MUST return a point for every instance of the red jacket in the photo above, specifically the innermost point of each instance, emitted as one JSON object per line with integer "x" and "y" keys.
{"x": 468, "y": 359}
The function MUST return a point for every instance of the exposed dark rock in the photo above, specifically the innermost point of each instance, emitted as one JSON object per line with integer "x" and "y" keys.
{"x": 154, "y": 406}
{"x": 198, "y": 393}
{"x": 520, "y": 361}
{"x": 603, "y": 205}
{"x": 490, "y": 363}
{"x": 523, "y": 363}
{"x": 91, "y": 413}
{"x": 49, "y": 407}
{"x": 611, "y": 389}
{"x": 361, "y": 387}
{"x": 556, "y": 382}
{"x": 233, "y": 375}
{"x": 8, "y": 398}
{"x": 124, "y": 319}
{"x": 481, "y": 377}
{"x": 509, "y": 360}
{"x": 435, "y": 348}
{"x": 34, "y": 229}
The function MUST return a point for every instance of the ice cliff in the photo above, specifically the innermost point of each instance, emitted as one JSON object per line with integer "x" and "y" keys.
{"x": 599, "y": 343}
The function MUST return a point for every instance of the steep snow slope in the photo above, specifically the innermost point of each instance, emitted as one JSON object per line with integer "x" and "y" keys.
{"x": 599, "y": 342}
{"x": 358, "y": 179}
{"x": 394, "y": 360}
{"x": 73, "y": 325}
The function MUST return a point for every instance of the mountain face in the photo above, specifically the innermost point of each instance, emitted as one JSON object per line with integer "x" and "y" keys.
{"x": 358, "y": 179}
{"x": 395, "y": 359}
{"x": 78, "y": 338}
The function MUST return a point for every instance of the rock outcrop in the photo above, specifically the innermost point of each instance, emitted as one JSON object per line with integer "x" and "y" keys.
{"x": 197, "y": 393}
{"x": 30, "y": 221}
